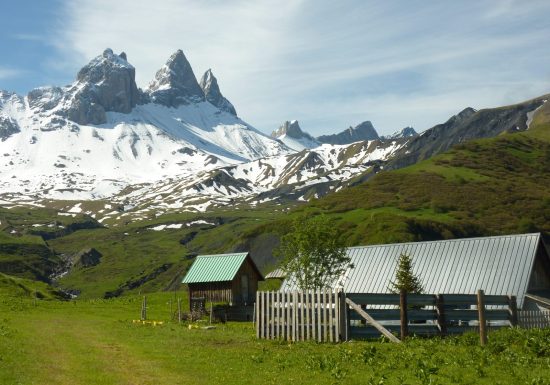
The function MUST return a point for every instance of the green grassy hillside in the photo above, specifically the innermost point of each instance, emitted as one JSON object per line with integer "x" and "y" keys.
{"x": 485, "y": 187}
{"x": 138, "y": 258}
{"x": 490, "y": 186}
{"x": 15, "y": 287}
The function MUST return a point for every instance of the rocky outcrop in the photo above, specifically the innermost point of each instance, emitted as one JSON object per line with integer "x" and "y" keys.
{"x": 291, "y": 129}
{"x": 406, "y": 132}
{"x": 8, "y": 127}
{"x": 45, "y": 98}
{"x": 363, "y": 131}
{"x": 87, "y": 258}
{"x": 212, "y": 93}
{"x": 175, "y": 83}
{"x": 107, "y": 83}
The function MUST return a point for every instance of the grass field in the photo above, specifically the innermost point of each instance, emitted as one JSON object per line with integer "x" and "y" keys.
{"x": 96, "y": 342}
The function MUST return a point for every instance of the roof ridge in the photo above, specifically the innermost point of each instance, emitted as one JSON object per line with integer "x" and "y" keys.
{"x": 448, "y": 240}
{"x": 221, "y": 255}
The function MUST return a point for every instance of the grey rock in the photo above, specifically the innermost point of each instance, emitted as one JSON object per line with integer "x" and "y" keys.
{"x": 8, "y": 127}
{"x": 292, "y": 129}
{"x": 406, "y": 132}
{"x": 175, "y": 83}
{"x": 87, "y": 258}
{"x": 85, "y": 111}
{"x": 45, "y": 98}
{"x": 363, "y": 131}
{"x": 211, "y": 89}
{"x": 107, "y": 83}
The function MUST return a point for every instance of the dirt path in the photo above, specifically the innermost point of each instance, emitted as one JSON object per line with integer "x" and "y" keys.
{"x": 78, "y": 349}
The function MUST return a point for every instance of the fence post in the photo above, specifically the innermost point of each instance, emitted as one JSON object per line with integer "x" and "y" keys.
{"x": 347, "y": 317}
{"x": 272, "y": 314}
{"x": 294, "y": 325}
{"x": 211, "y": 312}
{"x": 337, "y": 315}
{"x": 482, "y": 321}
{"x": 179, "y": 310}
{"x": 302, "y": 317}
{"x": 257, "y": 305}
{"x": 265, "y": 330}
{"x": 278, "y": 314}
{"x": 342, "y": 311}
{"x": 441, "y": 321}
{"x": 330, "y": 331}
{"x": 513, "y": 306}
{"x": 144, "y": 308}
{"x": 403, "y": 314}
{"x": 287, "y": 314}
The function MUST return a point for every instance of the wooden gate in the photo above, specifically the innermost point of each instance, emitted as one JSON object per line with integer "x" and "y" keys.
{"x": 300, "y": 315}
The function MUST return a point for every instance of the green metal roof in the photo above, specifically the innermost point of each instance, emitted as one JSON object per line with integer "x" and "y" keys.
{"x": 214, "y": 268}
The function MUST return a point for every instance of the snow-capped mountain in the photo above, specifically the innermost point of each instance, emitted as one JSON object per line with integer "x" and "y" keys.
{"x": 178, "y": 144}
{"x": 292, "y": 136}
{"x": 298, "y": 176}
{"x": 98, "y": 135}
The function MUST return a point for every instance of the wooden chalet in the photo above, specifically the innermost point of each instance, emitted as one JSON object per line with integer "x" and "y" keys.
{"x": 231, "y": 278}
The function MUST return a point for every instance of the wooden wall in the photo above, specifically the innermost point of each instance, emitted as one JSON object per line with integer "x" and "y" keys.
{"x": 540, "y": 278}
{"x": 212, "y": 291}
{"x": 253, "y": 277}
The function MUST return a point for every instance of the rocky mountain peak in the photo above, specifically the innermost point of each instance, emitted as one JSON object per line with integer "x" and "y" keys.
{"x": 175, "y": 83}
{"x": 406, "y": 132}
{"x": 363, "y": 131}
{"x": 466, "y": 113}
{"x": 461, "y": 116}
{"x": 104, "y": 67}
{"x": 291, "y": 129}
{"x": 106, "y": 83}
{"x": 212, "y": 93}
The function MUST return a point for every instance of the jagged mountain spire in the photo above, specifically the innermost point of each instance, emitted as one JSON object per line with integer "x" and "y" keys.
{"x": 175, "y": 83}
{"x": 212, "y": 93}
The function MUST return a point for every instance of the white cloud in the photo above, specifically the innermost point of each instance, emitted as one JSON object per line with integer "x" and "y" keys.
{"x": 10, "y": 73}
{"x": 328, "y": 64}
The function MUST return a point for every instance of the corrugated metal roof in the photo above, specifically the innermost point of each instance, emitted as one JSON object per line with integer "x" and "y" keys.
{"x": 214, "y": 268}
{"x": 499, "y": 265}
{"x": 277, "y": 273}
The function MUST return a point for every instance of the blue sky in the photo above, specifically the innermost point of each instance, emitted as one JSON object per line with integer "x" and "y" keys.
{"x": 329, "y": 64}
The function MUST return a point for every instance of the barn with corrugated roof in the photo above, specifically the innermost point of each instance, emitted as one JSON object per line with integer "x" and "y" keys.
{"x": 501, "y": 265}
{"x": 231, "y": 278}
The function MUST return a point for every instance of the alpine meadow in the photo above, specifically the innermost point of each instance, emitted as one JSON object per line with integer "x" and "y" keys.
{"x": 159, "y": 227}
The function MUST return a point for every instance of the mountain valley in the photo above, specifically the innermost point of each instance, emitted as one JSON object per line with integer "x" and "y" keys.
{"x": 149, "y": 178}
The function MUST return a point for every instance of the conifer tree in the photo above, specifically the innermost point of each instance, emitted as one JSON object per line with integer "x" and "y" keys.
{"x": 405, "y": 279}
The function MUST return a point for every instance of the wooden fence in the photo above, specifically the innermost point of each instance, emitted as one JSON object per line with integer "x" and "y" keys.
{"x": 530, "y": 319}
{"x": 431, "y": 314}
{"x": 328, "y": 316}
{"x": 300, "y": 315}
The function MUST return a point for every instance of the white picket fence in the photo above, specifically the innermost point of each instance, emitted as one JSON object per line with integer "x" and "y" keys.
{"x": 530, "y": 319}
{"x": 300, "y": 315}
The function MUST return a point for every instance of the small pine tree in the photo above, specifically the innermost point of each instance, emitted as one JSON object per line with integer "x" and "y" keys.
{"x": 405, "y": 279}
